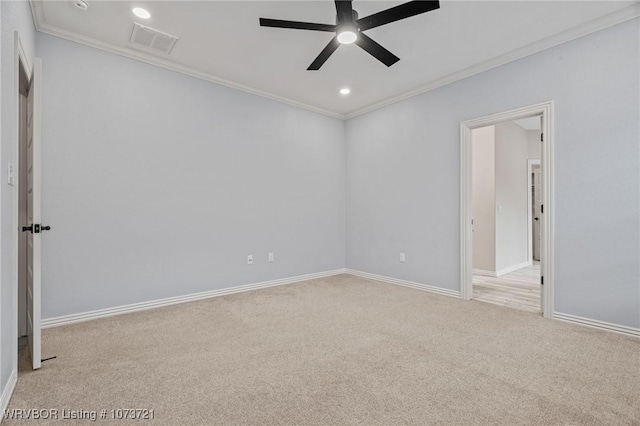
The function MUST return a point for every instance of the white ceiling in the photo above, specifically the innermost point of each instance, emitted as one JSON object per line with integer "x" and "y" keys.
{"x": 222, "y": 41}
{"x": 531, "y": 123}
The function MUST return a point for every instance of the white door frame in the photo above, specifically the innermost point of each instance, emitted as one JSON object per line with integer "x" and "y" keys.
{"x": 20, "y": 59}
{"x": 530, "y": 164}
{"x": 466, "y": 201}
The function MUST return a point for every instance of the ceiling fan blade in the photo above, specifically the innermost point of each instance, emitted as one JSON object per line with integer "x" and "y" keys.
{"x": 278, "y": 23}
{"x": 345, "y": 11}
{"x": 377, "y": 51}
{"x": 324, "y": 55}
{"x": 397, "y": 13}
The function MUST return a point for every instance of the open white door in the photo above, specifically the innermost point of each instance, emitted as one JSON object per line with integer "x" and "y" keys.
{"x": 538, "y": 202}
{"x": 537, "y": 215}
{"x": 34, "y": 228}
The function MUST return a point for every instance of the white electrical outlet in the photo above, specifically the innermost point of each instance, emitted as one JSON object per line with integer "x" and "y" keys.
{"x": 401, "y": 257}
{"x": 270, "y": 257}
{"x": 250, "y": 260}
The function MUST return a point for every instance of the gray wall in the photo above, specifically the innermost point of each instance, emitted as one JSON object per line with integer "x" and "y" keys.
{"x": 14, "y": 16}
{"x": 403, "y": 173}
{"x": 158, "y": 184}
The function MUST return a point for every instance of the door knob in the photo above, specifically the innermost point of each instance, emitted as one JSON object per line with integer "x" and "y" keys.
{"x": 36, "y": 228}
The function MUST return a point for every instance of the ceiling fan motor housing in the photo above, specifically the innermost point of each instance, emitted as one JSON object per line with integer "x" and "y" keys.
{"x": 354, "y": 18}
{"x": 349, "y": 28}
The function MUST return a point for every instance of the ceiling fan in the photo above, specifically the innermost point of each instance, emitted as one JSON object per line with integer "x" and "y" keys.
{"x": 349, "y": 28}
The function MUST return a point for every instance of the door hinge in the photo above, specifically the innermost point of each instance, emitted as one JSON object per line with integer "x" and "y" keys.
{"x": 541, "y": 137}
{"x": 541, "y": 280}
{"x": 541, "y": 208}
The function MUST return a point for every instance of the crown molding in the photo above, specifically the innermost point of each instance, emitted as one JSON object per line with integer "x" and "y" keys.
{"x": 43, "y": 27}
{"x": 582, "y": 30}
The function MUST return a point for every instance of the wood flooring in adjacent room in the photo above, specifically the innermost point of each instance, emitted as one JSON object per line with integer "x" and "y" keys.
{"x": 341, "y": 350}
{"x": 518, "y": 289}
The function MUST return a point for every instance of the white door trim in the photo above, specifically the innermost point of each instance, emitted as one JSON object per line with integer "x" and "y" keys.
{"x": 530, "y": 164}
{"x": 20, "y": 58}
{"x": 546, "y": 165}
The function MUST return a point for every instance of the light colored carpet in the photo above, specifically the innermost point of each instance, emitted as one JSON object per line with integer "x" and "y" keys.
{"x": 339, "y": 350}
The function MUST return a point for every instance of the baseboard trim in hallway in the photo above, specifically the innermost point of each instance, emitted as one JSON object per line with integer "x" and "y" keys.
{"x": 135, "y": 307}
{"x": 404, "y": 283}
{"x": 501, "y": 271}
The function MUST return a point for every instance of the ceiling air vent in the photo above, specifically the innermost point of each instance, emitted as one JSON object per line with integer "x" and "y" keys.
{"x": 151, "y": 40}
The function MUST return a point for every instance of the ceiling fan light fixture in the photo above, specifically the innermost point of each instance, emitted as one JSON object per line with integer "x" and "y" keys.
{"x": 349, "y": 28}
{"x": 141, "y": 13}
{"x": 347, "y": 36}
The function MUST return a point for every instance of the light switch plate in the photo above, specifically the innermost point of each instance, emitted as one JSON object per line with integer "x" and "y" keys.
{"x": 11, "y": 175}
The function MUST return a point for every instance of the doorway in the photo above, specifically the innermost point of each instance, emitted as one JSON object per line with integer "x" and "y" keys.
{"x": 505, "y": 219}
{"x": 503, "y": 157}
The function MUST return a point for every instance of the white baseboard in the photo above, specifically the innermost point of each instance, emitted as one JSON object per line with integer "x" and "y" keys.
{"x": 484, "y": 273}
{"x": 8, "y": 391}
{"x": 424, "y": 287}
{"x": 501, "y": 272}
{"x": 119, "y": 310}
{"x": 135, "y": 307}
{"x": 629, "y": 331}
{"x": 607, "y": 326}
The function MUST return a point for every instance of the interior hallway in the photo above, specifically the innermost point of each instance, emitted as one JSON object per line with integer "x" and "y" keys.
{"x": 518, "y": 289}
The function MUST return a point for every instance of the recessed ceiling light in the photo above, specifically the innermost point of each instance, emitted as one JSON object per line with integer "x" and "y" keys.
{"x": 347, "y": 37}
{"x": 345, "y": 91}
{"x": 141, "y": 13}
{"x": 81, "y": 4}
